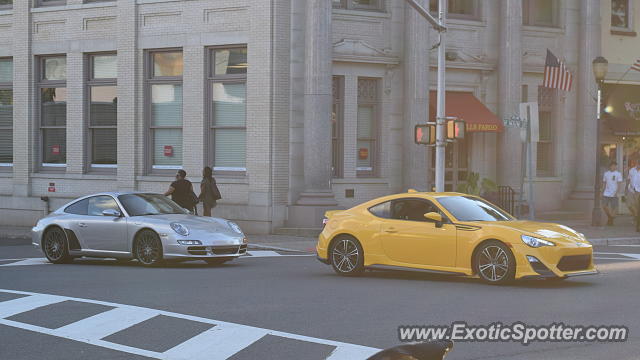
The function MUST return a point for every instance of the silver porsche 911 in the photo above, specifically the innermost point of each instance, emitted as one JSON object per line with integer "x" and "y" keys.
{"x": 143, "y": 226}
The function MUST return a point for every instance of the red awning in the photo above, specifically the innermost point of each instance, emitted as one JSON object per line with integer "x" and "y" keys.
{"x": 467, "y": 107}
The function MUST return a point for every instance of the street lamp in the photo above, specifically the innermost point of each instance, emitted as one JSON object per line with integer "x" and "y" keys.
{"x": 600, "y": 67}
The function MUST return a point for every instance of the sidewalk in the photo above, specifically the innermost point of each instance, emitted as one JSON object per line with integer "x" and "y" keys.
{"x": 622, "y": 233}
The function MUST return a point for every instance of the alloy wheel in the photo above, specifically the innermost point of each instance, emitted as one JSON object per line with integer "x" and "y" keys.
{"x": 345, "y": 256}
{"x": 493, "y": 263}
{"x": 148, "y": 249}
{"x": 54, "y": 245}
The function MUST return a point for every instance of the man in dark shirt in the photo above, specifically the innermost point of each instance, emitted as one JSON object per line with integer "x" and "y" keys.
{"x": 181, "y": 190}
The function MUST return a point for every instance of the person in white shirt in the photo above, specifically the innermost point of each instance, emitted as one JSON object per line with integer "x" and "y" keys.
{"x": 610, "y": 181}
{"x": 634, "y": 192}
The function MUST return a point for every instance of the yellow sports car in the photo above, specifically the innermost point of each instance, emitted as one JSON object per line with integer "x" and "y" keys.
{"x": 450, "y": 233}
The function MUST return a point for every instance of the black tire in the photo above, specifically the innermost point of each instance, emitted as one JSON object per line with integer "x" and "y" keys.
{"x": 148, "y": 248}
{"x": 218, "y": 261}
{"x": 495, "y": 263}
{"x": 346, "y": 256}
{"x": 55, "y": 246}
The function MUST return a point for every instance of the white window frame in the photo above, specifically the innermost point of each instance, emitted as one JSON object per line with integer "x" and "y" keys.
{"x": 630, "y": 20}
{"x": 8, "y": 85}
{"x": 475, "y": 16}
{"x": 375, "y": 139}
{"x": 92, "y": 82}
{"x": 528, "y": 17}
{"x": 43, "y": 84}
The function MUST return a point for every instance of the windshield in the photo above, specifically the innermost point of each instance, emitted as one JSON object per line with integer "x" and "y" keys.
{"x": 149, "y": 204}
{"x": 467, "y": 208}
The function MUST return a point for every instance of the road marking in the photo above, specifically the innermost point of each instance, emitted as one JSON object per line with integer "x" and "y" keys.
{"x": 28, "y": 261}
{"x": 630, "y": 255}
{"x": 220, "y": 342}
{"x": 612, "y": 258}
{"x": 263, "y": 253}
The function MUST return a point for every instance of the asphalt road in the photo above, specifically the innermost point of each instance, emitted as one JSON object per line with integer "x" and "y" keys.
{"x": 304, "y": 309}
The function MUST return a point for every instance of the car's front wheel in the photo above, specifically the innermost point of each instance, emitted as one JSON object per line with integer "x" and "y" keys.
{"x": 54, "y": 244}
{"x": 148, "y": 248}
{"x": 347, "y": 256}
{"x": 495, "y": 264}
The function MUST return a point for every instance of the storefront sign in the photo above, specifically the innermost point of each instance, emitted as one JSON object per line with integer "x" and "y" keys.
{"x": 363, "y": 153}
{"x": 472, "y": 127}
{"x": 55, "y": 150}
{"x": 633, "y": 109}
{"x": 52, "y": 187}
{"x": 168, "y": 150}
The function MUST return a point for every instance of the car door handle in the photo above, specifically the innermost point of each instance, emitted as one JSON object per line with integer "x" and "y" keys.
{"x": 391, "y": 230}
{"x": 82, "y": 225}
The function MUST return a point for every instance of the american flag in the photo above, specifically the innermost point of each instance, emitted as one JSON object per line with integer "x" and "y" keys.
{"x": 556, "y": 75}
{"x": 636, "y": 65}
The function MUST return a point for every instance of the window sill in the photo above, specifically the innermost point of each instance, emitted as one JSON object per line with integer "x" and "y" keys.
{"x": 64, "y": 176}
{"x": 360, "y": 180}
{"x": 364, "y": 13}
{"x": 623, "y": 32}
{"x": 48, "y": 8}
{"x": 543, "y": 28}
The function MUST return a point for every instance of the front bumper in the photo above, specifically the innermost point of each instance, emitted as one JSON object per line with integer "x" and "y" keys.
{"x": 554, "y": 262}
{"x": 177, "y": 251}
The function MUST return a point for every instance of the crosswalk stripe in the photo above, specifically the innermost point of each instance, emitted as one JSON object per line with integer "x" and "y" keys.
{"x": 27, "y": 303}
{"x": 219, "y": 342}
{"x": 109, "y": 322}
{"x": 29, "y": 261}
{"x": 263, "y": 253}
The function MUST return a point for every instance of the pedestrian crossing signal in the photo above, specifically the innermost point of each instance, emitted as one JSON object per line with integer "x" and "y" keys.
{"x": 455, "y": 129}
{"x": 425, "y": 134}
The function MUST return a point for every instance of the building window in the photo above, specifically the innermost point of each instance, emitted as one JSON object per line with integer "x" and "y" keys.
{"x": 6, "y": 4}
{"x": 337, "y": 121}
{"x": 540, "y": 13}
{"x": 458, "y": 9}
{"x": 621, "y": 15}
{"x": 545, "y": 161}
{"x": 227, "y": 84}
{"x": 103, "y": 110}
{"x": 50, "y": 2}
{"x": 6, "y": 112}
{"x": 53, "y": 110}
{"x": 371, "y": 5}
{"x": 164, "y": 108}
{"x": 367, "y": 129}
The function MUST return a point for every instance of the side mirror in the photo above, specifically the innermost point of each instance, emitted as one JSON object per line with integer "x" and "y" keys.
{"x": 111, "y": 212}
{"x": 435, "y": 217}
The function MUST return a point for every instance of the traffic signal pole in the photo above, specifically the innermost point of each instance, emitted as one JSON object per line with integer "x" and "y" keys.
{"x": 441, "y": 141}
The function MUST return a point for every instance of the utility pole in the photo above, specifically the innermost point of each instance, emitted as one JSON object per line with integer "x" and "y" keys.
{"x": 441, "y": 141}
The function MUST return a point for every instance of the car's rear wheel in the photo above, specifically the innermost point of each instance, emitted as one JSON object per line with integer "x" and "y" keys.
{"x": 218, "y": 261}
{"x": 54, "y": 244}
{"x": 495, "y": 264}
{"x": 347, "y": 256}
{"x": 148, "y": 248}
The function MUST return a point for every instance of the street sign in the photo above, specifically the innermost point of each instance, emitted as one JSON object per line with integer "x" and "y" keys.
{"x": 529, "y": 111}
{"x": 425, "y": 134}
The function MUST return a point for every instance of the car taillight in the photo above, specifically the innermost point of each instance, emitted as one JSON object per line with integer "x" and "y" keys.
{"x": 324, "y": 222}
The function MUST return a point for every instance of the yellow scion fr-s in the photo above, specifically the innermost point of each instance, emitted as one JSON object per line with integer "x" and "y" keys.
{"x": 450, "y": 233}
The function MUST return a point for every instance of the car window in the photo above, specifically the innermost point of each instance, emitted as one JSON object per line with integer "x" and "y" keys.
{"x": 412, "y": 209}
{"x": 98, "y": 204}
{"x": 149, "y": 204}
{"x": 466, "y": 208}
{"x": 381, "y": 210}
{"x": 78, "y": 208}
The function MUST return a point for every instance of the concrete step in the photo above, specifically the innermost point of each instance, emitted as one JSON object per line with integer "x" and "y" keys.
{"x": 561, "y": 215}
{"x": 307, "y": 232}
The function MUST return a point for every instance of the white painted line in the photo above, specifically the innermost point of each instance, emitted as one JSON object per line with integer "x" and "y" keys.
{"x": 612, "y": 258}
{"x": 627, "y": 245}
{"x": 12, "y": 259}
{"x": 263, "y": 253}
{"x": 27, "y": 303}
{"x": 104, "y": 324}
{"x": 29, "y": 261}
{"x": 343, "y": 353}
{"x": 631, "y": 255}
{"x": 219, "y": 342}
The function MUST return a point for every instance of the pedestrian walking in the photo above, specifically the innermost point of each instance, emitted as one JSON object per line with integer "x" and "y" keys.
{"x": 209, "y": 192}
{"x": 181, "y": 191}
{"x": 610, "y": 181}
{"x": 634, "y": 192}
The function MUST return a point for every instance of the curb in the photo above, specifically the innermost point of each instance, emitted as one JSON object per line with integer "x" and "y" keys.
{"x": 276, "y": 248}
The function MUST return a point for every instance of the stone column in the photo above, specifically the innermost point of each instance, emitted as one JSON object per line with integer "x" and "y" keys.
{"x": 317, "y": 195}
{"x": 509, "y": 91}
{"x": 585, "y": 86}
{"x": 23, "y": 122}
{"x": 416, "y": 96}
{"x": 76, "y": 128}
{"x": 127, "y": 93}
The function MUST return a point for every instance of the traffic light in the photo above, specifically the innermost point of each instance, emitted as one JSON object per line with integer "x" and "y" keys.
{"x": 455, "y": 129}
{"x": 425, "y": 134}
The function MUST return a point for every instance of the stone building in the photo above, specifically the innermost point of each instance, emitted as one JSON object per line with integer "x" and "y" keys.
{"x": 298, "y": 105}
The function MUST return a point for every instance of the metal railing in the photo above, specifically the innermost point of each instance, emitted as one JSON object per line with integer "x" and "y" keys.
{"x": 507, "y": 199}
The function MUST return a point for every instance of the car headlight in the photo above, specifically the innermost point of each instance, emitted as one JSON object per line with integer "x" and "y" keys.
{"x": 535, "y": 242}
{"x": 235, "y": 227}
{"x": 180, "y": 229}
